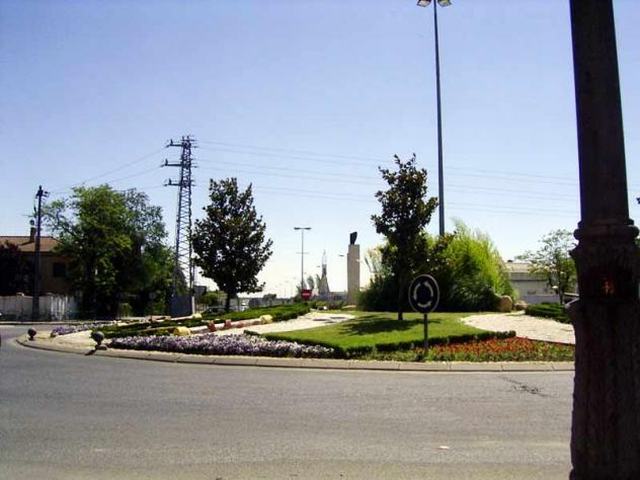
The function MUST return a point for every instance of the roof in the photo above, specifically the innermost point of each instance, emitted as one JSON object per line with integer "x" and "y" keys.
{"x": 27, "y": 245}
{"x": 517, "y": 267}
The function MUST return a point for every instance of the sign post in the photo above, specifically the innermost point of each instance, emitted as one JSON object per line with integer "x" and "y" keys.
{"x": 424, "y": 295}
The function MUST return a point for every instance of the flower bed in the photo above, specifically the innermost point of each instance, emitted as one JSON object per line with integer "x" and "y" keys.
{"x": 67, "y": 329}
{"x": 502, "y": 350}
{"x": 494, "y": 350}
{"x": 211, "y": 344}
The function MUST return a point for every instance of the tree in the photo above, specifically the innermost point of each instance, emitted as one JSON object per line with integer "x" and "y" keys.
{"x": 114, "y": 241}
{"x": 469, "y": 269}
{"x": 466, "y": 264}
{"x": 404, "y": 215}
{"x": 229, "y": 242}
{"x": 553, "y": 261}
{"x": 14, "y": 270}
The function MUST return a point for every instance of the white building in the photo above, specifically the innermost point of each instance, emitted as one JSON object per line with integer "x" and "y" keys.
{"x": 530, "y": 287}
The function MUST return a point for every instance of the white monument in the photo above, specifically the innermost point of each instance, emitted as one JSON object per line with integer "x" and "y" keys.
{"x": 353, "y": 270}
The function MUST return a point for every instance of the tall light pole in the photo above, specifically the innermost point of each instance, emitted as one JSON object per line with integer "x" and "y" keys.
{"x": 302, "y": 252}
{"x": 442, "y": 3}
{"x": 605, "y": 432}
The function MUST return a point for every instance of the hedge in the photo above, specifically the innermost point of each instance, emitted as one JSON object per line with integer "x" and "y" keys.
{"x": 351, "y": 352}
{"x": 549, "y": 310}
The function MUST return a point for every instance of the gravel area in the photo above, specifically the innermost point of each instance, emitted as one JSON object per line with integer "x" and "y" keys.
{"x": 525, "y": 326}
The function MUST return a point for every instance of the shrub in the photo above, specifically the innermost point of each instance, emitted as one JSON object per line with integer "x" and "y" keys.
{"x": 549, "y": 310}
{"x": 124, "y": 310}
{"x": 466, "y": 265}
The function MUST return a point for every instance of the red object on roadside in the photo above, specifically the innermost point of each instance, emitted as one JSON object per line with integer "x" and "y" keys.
{"x": 305, "y": 294}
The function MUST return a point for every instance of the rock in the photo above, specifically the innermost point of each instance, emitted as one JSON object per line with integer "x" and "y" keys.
{"x": 266, "y": 319}
{"x": 504, "y": 304}
{"x": 520, "y": 305}
{"x": 181, "y": 331}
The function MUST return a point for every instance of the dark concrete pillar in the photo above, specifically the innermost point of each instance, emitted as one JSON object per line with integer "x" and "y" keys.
{"x": 605, "y": 436}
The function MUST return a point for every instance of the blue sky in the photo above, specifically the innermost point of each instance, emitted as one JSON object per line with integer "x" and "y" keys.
{"x": 304, "y": 99}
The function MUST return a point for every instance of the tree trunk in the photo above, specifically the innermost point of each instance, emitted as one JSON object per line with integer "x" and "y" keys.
{"x": 400, "y": 297}
{"x": 227, "y": 303}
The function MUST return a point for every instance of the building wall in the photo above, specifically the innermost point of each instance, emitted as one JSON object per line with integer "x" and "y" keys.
{"x": 54, "y": 274}
{"x": 531, "y": 288}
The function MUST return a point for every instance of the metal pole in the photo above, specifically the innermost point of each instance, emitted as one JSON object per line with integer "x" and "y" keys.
{"x": 439, "y": 109}
{"x": 302, "y": 252}
{"x": 302, "y": 262}
{"x": 426, "y": 333}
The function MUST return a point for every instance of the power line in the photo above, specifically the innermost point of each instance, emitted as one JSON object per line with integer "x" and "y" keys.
{"x": 109, "y": 172}
{"x": 297, "y": 152}
{"x": 263, "y": 151}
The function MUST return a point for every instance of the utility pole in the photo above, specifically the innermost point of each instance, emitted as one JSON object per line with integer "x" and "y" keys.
{"x": 302, "y": 252}
{"x": 183, "y": 251}
{"x": 35, "y": 306}
{"x": 605, "y": 431}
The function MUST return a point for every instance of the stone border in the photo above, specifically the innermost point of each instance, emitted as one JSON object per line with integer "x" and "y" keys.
{"x": 310, "y": 363}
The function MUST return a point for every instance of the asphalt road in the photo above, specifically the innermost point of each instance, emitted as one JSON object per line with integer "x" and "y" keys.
{"x": 65, "y": 416}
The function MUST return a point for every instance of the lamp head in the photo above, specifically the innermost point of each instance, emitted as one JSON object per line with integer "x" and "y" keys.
{"x": 426, "y": 3}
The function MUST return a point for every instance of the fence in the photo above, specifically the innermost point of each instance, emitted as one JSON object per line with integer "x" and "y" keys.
{"x": 52, "y": 307}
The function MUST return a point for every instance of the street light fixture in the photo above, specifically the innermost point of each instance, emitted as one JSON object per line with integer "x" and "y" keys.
{"x": 302, "y": 252}
{"x": 442, "y": 3}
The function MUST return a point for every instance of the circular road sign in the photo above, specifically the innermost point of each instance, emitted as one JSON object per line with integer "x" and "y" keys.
{"x": 424, "y": 294}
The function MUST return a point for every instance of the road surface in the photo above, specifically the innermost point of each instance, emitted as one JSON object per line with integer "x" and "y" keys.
{"x": 65, "y": 416}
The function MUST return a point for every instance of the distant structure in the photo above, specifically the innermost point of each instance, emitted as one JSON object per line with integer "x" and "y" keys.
{"x": 183, "y": 304}
{"x": 531, "y": 288}
{"x": 353, "y": 269}
{"x": 323, "y": 284}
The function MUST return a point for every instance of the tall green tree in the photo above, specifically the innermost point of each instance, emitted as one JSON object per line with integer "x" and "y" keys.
{"x": 114, "y": 241}
{"x": 552, "y": 260}
{"x": 405, "y": 213}
{"x": 229, "y": 242}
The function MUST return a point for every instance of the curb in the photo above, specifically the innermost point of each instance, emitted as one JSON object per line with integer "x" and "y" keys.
{"x": 308, "y": 363}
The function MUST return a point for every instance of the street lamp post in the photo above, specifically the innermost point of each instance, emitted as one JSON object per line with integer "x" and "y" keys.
{"x": 605, "y": 433}
{"x": 302, "y": 252}
{"x": 442, "y": 3}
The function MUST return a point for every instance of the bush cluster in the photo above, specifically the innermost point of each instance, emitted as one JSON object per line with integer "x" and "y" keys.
{"x": 549, "y": 310}
{"x": 466, "y": 264}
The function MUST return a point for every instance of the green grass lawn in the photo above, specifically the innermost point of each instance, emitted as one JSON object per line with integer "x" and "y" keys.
{"x": 382, "y": 331}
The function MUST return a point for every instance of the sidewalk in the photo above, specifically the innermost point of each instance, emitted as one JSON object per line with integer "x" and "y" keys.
{"x": 525, "y": 326}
